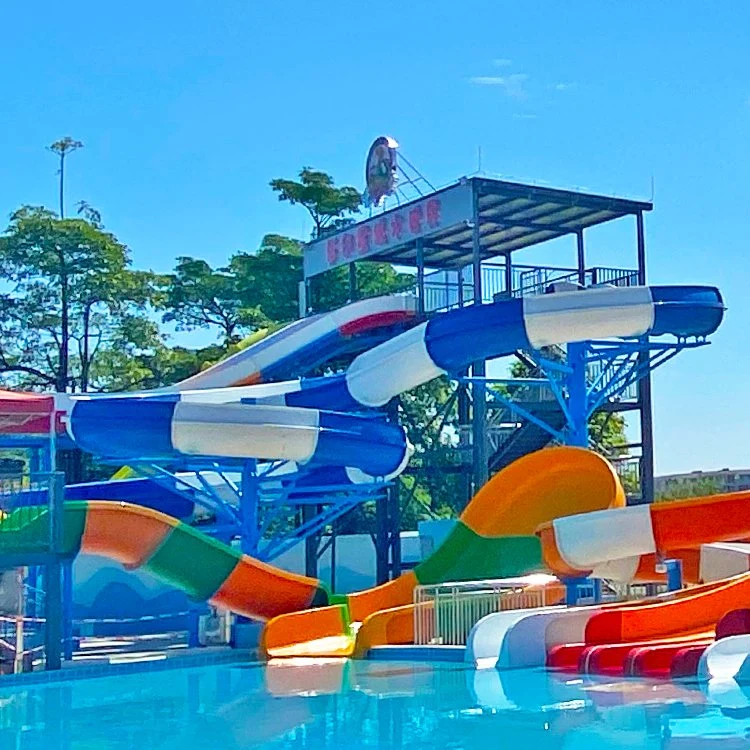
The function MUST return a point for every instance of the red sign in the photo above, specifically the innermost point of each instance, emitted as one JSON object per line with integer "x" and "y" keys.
{"x": 403, "y": 225}
{"x": 390, "y": 229}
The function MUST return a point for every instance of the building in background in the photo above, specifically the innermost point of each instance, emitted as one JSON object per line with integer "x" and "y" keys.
{"x": 705, "y": 482}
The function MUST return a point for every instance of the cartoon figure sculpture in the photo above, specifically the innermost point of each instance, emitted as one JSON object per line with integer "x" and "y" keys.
{"x": 381, "y": 170}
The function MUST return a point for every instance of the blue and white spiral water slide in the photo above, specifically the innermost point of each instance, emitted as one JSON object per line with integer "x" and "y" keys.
{"x": 329, "y": 421}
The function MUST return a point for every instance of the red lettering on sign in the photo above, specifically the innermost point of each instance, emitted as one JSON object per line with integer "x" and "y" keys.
{"x": 397, "y": 226}
{"x": 416, "y": 216}
{"x": 332, "y": 250}
{"x": 380, "y": 232}
{"x": 433, "y": 213}
{"x": 364, "y": 239}
{"x": 349, "y": 245}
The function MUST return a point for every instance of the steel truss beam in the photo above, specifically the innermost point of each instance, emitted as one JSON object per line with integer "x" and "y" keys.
{"x": 259, "y": 508}
{"x": 620, "y": 364}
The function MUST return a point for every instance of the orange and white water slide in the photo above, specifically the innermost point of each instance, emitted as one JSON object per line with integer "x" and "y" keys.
{"x": 494, "y": 537}
{"x": 669, "y": 635}
{"x": 624, "y": 544}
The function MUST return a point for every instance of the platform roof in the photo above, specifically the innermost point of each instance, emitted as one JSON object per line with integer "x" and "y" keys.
{"x": 512, "y": 216}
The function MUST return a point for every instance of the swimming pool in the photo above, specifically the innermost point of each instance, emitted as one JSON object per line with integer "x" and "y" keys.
{"x": 364, "y": 704}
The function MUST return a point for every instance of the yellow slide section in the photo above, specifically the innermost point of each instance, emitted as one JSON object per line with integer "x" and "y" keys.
{"x": 494, "y": 538}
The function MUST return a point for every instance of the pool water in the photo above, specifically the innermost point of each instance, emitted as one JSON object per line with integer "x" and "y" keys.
{"x": 337, "y": 704}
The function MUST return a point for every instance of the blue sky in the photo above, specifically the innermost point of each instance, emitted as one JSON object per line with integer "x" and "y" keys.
{"x": 188, "y": 109}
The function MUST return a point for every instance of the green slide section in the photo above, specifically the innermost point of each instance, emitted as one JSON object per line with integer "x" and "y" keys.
{"x": 181, "y": 556}
{"x": 29, "y": 529}
{"x": 465, "y": 556}
{"x": 193, "y": 562}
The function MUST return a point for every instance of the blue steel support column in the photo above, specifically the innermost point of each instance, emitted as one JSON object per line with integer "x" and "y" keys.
{"x": 249, "y": 521}
{"x": 53, "y": 594}
{"x": 32, "y": 581}
{"x": 644, "y": 388}
{"x": 67, "y": 610}
{"x": 35, "y": 461}
{"x": 674, "y": 574}
{"x": 577, "y": 432}
{"x": 479, "y": 403}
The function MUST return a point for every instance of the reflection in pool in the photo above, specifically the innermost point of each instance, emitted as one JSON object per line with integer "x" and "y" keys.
{"x": 331, "y": 703}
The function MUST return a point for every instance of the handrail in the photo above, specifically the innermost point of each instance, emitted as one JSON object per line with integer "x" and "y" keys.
{"x": 445, "y": 613}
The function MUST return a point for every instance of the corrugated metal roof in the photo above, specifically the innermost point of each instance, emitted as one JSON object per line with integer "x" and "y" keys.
{"x": 513, "y": 216}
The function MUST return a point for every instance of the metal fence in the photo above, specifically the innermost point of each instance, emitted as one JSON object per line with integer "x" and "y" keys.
{"x": 31, "y": 527}
{"x": 445, "y": 613}
{"x": 445, "y": 290}
{"x": 31, "y": 509}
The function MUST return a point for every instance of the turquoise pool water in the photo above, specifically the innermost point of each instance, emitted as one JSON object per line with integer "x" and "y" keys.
{"x": 369, "y": 705}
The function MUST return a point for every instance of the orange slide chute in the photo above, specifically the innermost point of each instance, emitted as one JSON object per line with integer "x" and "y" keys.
{"x": 494, "y": 537}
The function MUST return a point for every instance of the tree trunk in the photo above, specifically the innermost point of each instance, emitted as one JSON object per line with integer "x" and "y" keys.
{"x": 62, "y": 373}
{"x": 85, "y": 364}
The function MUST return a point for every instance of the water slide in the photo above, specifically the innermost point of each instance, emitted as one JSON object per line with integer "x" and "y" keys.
{"x": 301, "y": 421}
{"x": 295, "y": 348}
{"x": 669, "y": 635}
{"x": 307, "y": 342}
{"x": 494, "y": 537}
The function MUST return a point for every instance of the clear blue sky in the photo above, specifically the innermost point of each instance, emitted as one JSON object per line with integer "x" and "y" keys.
{"x": 188, "y": 109}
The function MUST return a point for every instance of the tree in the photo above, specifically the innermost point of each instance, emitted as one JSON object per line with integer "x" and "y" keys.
{"x": 329, "y": 206}
{"x": 253, "y": 290}
{"x": 70, "y": 285}
{"x": 679, "y": 489}
{"x": 199, "y": 296}
{"x": 139, "y": 357}
{"x": 61, "y": 149}
{"x": 330, "y": 290}
{"x": 269, "y": 278}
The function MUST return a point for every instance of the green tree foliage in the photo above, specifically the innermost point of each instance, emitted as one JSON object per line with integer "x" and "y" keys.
{"x": 198, "y": 296}
{"x": 330, "y": 290}
{"x": 437, "y": 486}
{"x": 68, "y": 289}
{"x": 270, "y": 277}
{"x": 254, "y": 290}
{"x": 679, "y": 489}
{"x": 330, "y": 207}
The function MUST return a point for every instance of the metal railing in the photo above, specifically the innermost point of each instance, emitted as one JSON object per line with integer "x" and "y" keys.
{"x": 538, "y": 280}
{"x": 31, "y": 535}
{"x": 444, "y": 290}
{"x": 31, "y": 506}
{"x": 625, "y": 592}
{"x": 445, "y": 613}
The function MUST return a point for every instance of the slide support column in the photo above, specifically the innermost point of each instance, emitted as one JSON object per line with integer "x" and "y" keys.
{"x": 249, "y": 521}
{"x": 577, "y": 432}
{"x": 644, "y": 387}
{"x": 674, "y": 574}
{"x": 478, "y": 370}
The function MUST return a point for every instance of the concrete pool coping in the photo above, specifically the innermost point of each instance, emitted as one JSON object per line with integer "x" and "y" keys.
{"x": 137, "y": 662}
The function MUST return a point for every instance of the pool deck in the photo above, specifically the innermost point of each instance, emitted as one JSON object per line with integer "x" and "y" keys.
{"x": 107, "y": 657}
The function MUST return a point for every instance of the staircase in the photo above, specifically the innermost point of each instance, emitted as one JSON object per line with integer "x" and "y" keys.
{"x": 527, "y": 436}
